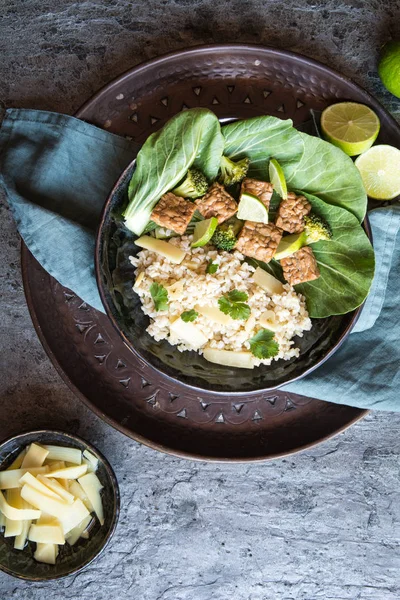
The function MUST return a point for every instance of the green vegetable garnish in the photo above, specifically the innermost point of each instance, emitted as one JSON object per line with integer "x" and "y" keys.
{"x": 193, "y": 186}
{"x": 191, "y": 139}
{"x": 224, "y": 237}
{"x": 189, "y": 315}
{"x": 233, "y": 304}
{"x": 316, "y": 229}
{"x": 212, "y": 268}
{"x": 263, "y": 345}
{"x": 159, "y": 295}
{"x": 233, "y": 172}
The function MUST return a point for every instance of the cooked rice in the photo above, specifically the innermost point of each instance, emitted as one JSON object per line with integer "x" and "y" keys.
{"x": 205, "y": 289}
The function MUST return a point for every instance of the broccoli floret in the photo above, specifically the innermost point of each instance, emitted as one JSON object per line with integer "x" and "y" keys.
{"x": 225, "y": 236}
{"x": 233, "y": 172}
{"x": 194, "y": 185}
{"x": 316, "y": 229}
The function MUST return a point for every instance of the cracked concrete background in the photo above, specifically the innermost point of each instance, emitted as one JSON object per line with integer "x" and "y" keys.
{"x": 322, "y": 525}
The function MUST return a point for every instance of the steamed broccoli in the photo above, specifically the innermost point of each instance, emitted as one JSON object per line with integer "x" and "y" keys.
{"x": 194, "y": 185}
{"x": 316, "y": 229}
{"x": 224, "y": 237}
{"x": 233, "y": 172}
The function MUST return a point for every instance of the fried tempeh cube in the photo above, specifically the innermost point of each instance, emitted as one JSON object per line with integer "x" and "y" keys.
{"x": 217, "y": 203}
{"x": 258, "y": 240}
{"x": 300, "y": 266}
{"x": 262, "y": 189}
{"x": 291, "y": 213}
{"x": 173, "y": 212}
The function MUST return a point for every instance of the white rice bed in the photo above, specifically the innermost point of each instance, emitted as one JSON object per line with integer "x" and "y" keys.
{"x": 201, "y": 288}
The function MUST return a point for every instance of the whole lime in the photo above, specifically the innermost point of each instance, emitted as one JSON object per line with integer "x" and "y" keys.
{"x": 389, "y": 67}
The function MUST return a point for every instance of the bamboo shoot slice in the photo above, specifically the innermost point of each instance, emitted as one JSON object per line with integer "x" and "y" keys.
{"x": 188, "y": 332}
{"x": 10, "y": 479}
{"x": 72, "y": 455}
{"x": 91, "y": 486}
{"x": 39, "y": 486}
{"x": 77, "y": 490}
{"x": 17, "y": 514}
{"x": 267, "y": 282}
{"x": 68, "y": 472}
{"x": 76, "y": 513}
{"x": 214, "y": 314}
{"x": 92, "y": 459}
{"x": 12, "y": 528}
{"x": 78, "y": 531}
{"x": 35, "y": 456}
{"x": 20, "y": 540}
{"x": 169, "y": 251}
{"x": 241, "y": 360}
{"x": 56, "y": 487}
{"x": 46, "y": 553}
{"x": 14, "y": 499}
{"x": 54, "y": 465}
{"x": 46, "y": 534}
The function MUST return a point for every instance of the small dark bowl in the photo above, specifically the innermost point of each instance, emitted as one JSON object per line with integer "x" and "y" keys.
{"x": 115, "y": 277}
{"x": 71, "y": 559}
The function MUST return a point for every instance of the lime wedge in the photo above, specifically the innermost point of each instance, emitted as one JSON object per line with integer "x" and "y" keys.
{"x": 252, "y": 209}
{"x": 289, "y": 245}
{"x": 350, "y": 126}
{"x": 203, "y": 232}
{"x": 380, "y": 171}
{"x": 277, "y": 178}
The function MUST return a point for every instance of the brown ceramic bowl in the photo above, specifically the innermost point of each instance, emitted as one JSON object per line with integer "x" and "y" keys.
{"x": 115, "y": 276}
{"x": 71, "y": 559}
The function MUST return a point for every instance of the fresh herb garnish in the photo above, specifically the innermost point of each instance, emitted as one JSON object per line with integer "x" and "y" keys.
{"x": 233, "y": 304}
{"x": 263, "y": 345}
{"x": 212, "y": 267}
{"x": 189, "y": 315}
{"x": 159, "y": 295}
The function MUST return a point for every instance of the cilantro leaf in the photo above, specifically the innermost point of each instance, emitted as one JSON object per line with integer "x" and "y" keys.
{"x": 236, "y": 296}
{"x": 263, "y": 345}
{"x": 212, "y": 267}
{"x": 159, "y": 295}
{"x": 232, "y": 304}
{"x": 189, "y": 315}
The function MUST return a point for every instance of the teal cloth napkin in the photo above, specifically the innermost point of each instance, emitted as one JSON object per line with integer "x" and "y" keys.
{"x": 57, "y": 171}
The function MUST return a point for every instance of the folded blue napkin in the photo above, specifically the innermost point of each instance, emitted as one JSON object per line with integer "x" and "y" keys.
{"x": 57, "y": 171}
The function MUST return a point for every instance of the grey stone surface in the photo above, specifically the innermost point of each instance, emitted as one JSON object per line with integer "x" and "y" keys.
{"x": 321, "y": 525}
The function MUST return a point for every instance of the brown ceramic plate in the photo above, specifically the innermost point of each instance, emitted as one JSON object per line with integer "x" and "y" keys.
{"x": 241, "y": 81}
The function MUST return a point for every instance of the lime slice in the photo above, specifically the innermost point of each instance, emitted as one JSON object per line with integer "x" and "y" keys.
{"x": 380, "y": 172}
{"x": 252, "y": 209}
{"x": 203, "y": 232}
{"x": 277, "y": 178}
{"x": 289, "y": 245}
{"x": 389, "y": 67}
{"x": 350, "y": 126}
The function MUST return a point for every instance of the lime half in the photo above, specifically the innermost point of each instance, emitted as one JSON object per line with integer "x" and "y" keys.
{"x": 203, "y": 232}
{"x": 350, "y": 126}
{"x": 389, "y": 67}
{"x": 277, "y": 178}
{"x": 252, "y": 209}
{"x": 380, "y": 172}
